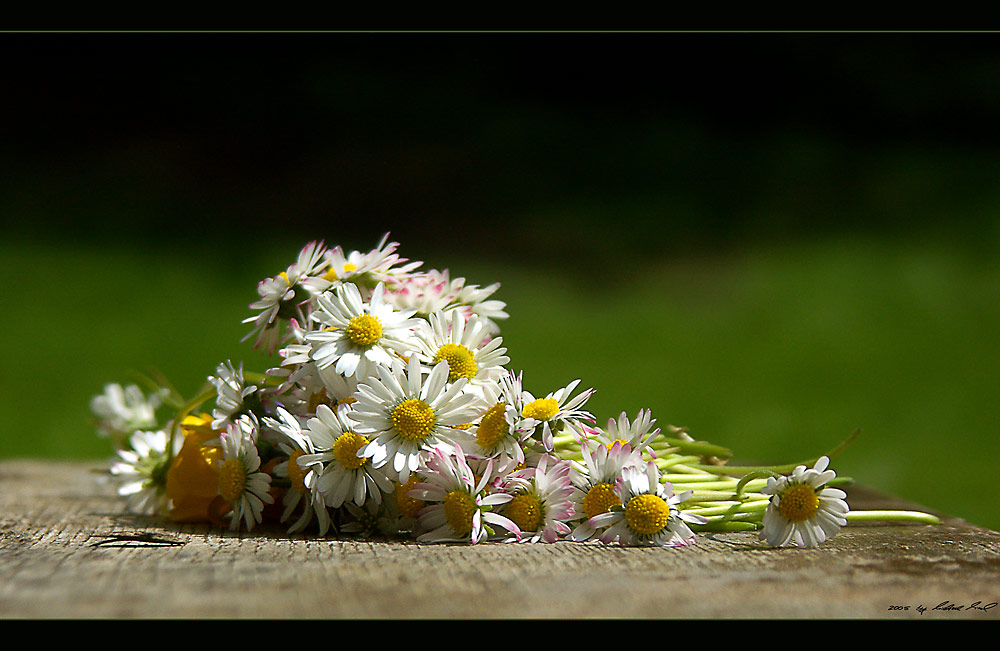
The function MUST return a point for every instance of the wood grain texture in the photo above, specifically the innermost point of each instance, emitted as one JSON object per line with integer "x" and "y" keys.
{"x": 68, "y": 549}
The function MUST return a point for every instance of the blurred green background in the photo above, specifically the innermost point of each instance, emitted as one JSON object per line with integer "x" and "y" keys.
{"x": 771, "y": 239}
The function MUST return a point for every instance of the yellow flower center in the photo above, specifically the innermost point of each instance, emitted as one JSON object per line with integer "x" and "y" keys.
{"x": 413, "y": 419}
{"x": 408, "y": 507}
{"x": 525, "y": 511}
{"x": 296, "y": 474}
{"x": 599, "y": 499}
{"x": 232, "y": 479}
{"x": 621, "y": 442}
{"x": 647, "y": 514}
{"x": 458, "y": 509}
{"x": 331, "y": 273}
{"x": 492, "y": 427}
{"x": 461, "y": 361}
{"x": 798, "y": 502}
{"x": 345, "y": 450}
{"x": 541, "y": 409}
{"x": 364, "y": 330}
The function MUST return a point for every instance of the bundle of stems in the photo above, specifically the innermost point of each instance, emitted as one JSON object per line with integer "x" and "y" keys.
{"x": 728, "y": 496}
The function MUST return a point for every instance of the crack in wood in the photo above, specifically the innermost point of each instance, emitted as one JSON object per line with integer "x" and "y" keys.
{"x": 137, "y": 540}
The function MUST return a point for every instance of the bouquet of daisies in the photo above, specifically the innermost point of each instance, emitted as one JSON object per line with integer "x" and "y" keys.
{"x": 391, "y": 411}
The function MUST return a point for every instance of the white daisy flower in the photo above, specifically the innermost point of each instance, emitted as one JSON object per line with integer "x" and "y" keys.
{"x": 296, "y": 350}
{"x": 233, "y": 392}
{"x": 426, "y": 292}
{"x": 801, "y": 510}
{"x": 467, "y": 348}
{"x": 301, "y": 476}
{"x": 340, "y": 390}
{"x": 344, "y": 474}
{"x": 406, "y": 414}
{"x": 500, "y": 431}
{"x": 282, "y": 296}
{"x": 143, "y": 469}
{"x": 297, "y": 363}
{"x": 434, "y": 291}
{"x": 555, "y": 412}
{"x": 597, "y": 486}
{"x": 635, "y": 434}
{"x": 381, "y": 264}
{"x": 474, "y": 300}
{"x": 240, "y": 481}
{"x": 648, "y": 513}
{"x": 304, "y": 387}
{"x": 359, "y": 336}
{"x": 276, "y": 296}
{"x": 459, "y": 507}
{"x": 295, "y": 355}
{"x": 540, "y": 506}
{"x": 123, "y": 410}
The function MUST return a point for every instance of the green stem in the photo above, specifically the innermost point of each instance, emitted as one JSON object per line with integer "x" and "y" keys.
{"x": 729, "y": 485}
{"x": 173, "y": 399}
{"x": 846, "y": 443}
{"x": 695, "y": 472}
{"x": 678, "y": 478}
{"x": 260, "y": 379}
{"x": 699, "y": 448}
{"x": 892, "y": 516}
{"x": 745, "y": 507}
{"x": 673, "y": 462}
{"x": 568, "y": 445}
{"x": 780, "y": 469}
{"x": 745, "y": 470}
{"x": 713, "y": 496}
{"x": 725, "y": 525}
{"x": 753, "y": 478}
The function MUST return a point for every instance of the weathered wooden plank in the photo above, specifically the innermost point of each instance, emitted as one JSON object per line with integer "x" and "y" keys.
{"x": 68, "y": 550}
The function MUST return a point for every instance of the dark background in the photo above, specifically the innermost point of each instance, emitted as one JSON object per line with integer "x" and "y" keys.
{"x": 546, "y": 144}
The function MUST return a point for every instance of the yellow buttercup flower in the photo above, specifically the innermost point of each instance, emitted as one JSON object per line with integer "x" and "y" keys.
{"x": 193, "y": 477}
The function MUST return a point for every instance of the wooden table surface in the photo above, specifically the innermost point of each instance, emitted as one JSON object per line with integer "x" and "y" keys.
{"x": 69, "y": 550}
